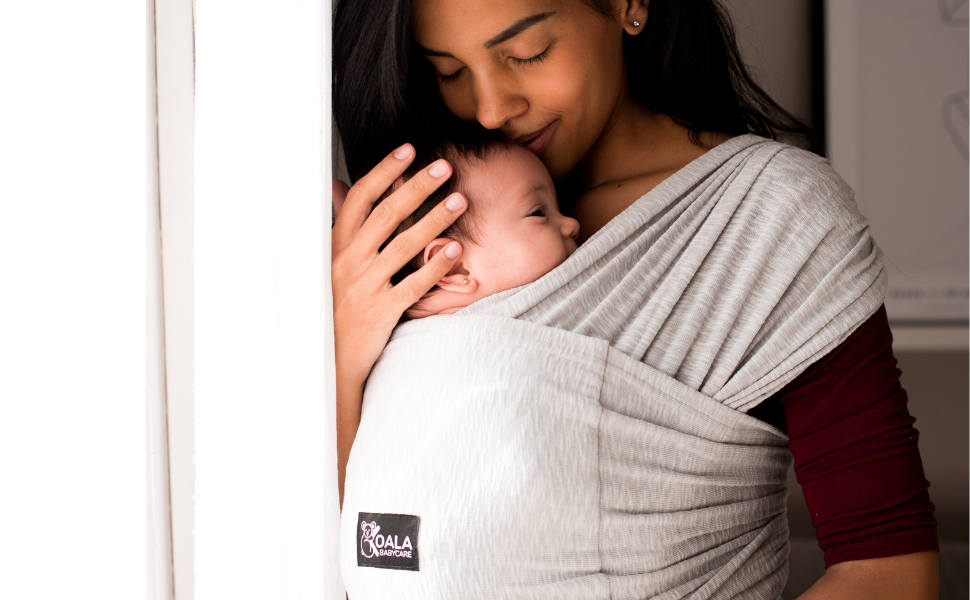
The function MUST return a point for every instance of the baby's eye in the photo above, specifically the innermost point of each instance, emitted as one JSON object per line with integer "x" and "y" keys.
{"x": 538, "y": 213}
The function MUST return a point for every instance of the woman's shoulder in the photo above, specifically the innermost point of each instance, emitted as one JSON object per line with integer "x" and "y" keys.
{"x": 793, "y": 179}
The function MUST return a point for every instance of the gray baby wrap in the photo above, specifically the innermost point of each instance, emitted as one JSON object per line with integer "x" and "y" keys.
{"x": 585, "y": 436}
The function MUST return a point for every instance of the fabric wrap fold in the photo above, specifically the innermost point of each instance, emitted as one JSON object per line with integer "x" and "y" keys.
{"x": 585, "y": 436}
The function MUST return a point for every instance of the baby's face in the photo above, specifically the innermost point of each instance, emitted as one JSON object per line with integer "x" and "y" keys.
{"x": 520, "y": 233}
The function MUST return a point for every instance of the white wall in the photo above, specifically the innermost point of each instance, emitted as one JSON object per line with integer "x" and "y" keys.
{"x": 897, "y": 120}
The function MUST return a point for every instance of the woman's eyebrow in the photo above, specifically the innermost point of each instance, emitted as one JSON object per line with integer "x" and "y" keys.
{"x": 430, "y": 52}
{"x": 509, "y": 33}
{"x": 517, "y": 28}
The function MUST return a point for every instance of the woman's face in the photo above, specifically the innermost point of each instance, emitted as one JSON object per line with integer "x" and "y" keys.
{"x": 546, "y": 73}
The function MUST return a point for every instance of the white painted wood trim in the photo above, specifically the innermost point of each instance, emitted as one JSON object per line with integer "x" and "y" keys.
{"x": 930, "y": 339}
{"x": 176, "y": 112}
{"x": 159, "y": 524}
{"x": 266, "y": 500}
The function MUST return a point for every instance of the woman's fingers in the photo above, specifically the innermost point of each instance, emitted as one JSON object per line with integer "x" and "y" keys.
{"x": 362, "y": 195}
{"x": 417, "y": 284}
{"x": 387, "y": 215}
{"x": 412, "y": 242}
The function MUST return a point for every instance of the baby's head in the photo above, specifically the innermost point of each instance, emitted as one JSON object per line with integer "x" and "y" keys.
{"x": 512, "y": 232}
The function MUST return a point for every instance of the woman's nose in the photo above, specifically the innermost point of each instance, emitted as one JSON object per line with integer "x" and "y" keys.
{"x": 570, "y": 227}
{"x": 497, "y": 101}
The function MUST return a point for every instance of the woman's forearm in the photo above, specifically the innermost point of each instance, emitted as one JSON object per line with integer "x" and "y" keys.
{"x": 907, "y": 577}
{"x": 350, "y": 395}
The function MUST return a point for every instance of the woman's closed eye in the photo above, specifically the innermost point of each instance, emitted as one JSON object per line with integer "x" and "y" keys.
{"x": 538, "y": 58}
{"x": 452, "y": 77}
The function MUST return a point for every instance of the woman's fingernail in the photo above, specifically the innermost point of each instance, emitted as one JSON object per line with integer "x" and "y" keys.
{"x": 438, "y": 169}
{"x": 453, "y": 250}
{"x": 455, "y": 202}
{"x": 403, "y": 152}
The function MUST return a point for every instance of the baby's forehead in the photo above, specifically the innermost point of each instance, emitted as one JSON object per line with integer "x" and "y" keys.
{"x": 504, "y": 174}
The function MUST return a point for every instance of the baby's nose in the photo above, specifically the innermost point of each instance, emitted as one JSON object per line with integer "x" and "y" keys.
{"x": 570, "y": 227}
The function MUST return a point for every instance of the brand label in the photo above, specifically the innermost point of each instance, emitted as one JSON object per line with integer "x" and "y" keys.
{"x": 387, "y": 541}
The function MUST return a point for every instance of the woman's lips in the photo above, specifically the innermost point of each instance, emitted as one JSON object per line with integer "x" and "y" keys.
{"x": 539, "y": 140}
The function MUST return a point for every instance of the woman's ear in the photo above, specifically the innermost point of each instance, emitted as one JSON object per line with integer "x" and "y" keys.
{"x": 459, "y": 279}
{"x": 633, "y": 15}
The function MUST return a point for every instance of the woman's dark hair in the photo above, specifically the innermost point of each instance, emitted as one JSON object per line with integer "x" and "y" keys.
{"x": 685, "y": 64}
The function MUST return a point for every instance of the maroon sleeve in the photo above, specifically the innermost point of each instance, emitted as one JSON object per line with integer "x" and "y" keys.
{"x": 855, "y": 449}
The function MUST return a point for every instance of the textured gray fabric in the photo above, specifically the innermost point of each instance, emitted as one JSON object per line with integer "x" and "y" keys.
{"x": 585, "y": 436}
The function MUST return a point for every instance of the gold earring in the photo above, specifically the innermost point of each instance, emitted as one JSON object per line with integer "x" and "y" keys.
{"x": 465, "y": 281}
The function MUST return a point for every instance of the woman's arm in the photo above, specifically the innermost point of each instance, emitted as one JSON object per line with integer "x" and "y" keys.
{"x": 366, "y": 306}
{"x": 349, "y": 398}
{"x": 857, "y": 458}
{"x": 907, "y": 577}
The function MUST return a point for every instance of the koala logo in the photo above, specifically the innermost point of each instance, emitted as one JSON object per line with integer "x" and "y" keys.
{"x": 369, "y": 530}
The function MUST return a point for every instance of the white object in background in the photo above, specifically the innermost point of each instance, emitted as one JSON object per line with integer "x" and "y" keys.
{"x": 897, "y": 131}
{"x": 159, "y": 524}
{"x": 175, "y": 72}
{"x": 266, "y": 497}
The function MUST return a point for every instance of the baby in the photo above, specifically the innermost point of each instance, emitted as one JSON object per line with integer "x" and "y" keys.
{"x": 512, "y": 232}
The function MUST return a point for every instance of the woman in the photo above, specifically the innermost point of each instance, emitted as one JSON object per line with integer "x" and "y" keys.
{"x": 616, "y": 99}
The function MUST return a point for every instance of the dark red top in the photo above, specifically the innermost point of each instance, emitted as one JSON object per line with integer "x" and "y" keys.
{"x": 855, "y": 449}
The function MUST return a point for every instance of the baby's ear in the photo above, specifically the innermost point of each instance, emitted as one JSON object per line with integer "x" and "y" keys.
{"x": 459, "y": 279}
{"x": 435, "y": 246}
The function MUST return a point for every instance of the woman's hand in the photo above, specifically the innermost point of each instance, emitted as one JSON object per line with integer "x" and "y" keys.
{"x": 366, "y": 307}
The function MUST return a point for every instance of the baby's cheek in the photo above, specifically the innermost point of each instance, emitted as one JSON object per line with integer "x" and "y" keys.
{"x": 517, "y": 264}
{"x": 551, "y": 254}
{"x": 515, "y": 270}
{"x": 541, "y": 263}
